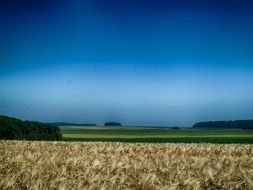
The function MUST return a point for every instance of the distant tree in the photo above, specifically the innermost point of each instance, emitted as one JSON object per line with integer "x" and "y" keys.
{"x": 112, "y": 124}
{"x": 176, "y": 128}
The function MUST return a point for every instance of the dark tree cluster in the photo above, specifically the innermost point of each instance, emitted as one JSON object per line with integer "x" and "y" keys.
{"x": 16, "y": 129}
{"x": 237, "y": 124}
{"x": 112, "y": 124}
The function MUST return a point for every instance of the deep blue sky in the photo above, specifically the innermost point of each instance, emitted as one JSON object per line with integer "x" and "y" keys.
{"x": 145, "y": 62}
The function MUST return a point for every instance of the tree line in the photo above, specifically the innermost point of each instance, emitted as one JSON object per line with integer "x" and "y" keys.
{"x": 112, "y": 123}
{"x": 16, "y": 129}
{"x": 237, "y": 124}
{"x": 72, "y": 124}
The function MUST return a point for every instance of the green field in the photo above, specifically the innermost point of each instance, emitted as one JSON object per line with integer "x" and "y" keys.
{"x": 142, "y": 134}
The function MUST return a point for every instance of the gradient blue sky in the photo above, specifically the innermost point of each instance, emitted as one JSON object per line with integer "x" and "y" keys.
{"x": 145, "y": 62}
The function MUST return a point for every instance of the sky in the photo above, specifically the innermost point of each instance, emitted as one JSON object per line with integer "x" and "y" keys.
{"x": 139, "y": 62}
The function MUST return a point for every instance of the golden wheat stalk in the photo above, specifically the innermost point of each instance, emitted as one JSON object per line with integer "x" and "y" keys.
{"x": 90, "y": 165}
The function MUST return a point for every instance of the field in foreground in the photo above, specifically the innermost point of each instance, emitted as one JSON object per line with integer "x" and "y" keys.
{"x": 145, "y": 134}
{"x": 107, "y": 165}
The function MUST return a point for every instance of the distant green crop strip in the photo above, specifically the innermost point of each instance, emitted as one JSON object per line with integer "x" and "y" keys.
{"x": 158, "y": 135}
{"x": 229, "y": 140}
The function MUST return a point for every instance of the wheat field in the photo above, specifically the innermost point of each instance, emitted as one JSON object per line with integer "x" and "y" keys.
{"x": 95, "y": 165}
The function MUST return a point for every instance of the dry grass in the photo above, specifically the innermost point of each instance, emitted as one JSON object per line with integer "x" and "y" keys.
{"x": 88, "y": 165}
